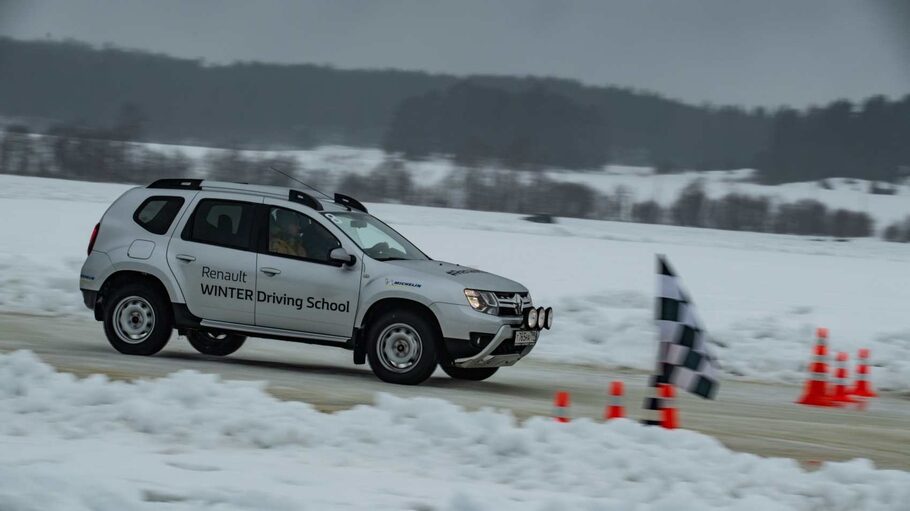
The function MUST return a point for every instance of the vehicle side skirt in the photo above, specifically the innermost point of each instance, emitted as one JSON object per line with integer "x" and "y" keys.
{"x": 186, "y": 320}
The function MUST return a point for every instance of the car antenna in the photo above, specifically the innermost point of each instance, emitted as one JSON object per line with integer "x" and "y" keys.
{"x": 292, "y": 178}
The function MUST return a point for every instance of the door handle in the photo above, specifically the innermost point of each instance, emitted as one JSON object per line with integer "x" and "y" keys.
{"x": 271, "y": 272}
{"x": 185, "y": 258}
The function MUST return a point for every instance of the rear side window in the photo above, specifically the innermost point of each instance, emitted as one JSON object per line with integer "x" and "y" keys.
{"x": 156, "y": 214}
{"x": 219, "y": 222}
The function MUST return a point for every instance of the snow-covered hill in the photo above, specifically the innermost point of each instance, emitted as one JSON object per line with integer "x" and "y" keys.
{"x": 761, "y": 295}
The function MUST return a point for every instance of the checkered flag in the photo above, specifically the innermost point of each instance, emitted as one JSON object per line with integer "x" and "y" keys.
{"x": 683, "y": 357}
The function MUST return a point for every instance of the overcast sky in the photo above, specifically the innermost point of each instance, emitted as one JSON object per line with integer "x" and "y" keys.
{"x": 758, "y": 52}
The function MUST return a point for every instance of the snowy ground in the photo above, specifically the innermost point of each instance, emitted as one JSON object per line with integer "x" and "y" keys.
{"x": 761, "y": 295}
{"x": 191, "y": 441}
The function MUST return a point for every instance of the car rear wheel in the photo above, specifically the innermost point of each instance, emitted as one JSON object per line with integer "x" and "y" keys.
{"x": 137, "y": 320}
{"x": 215, "y": 343}
{"x": 401, "y": 348}
{"x": 472, "y": 374}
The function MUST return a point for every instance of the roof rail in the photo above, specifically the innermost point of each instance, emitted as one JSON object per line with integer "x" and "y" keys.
{"x": 305, "y": 199}
{"x": 350, "y": 202}
{"x": 177, "y": 184}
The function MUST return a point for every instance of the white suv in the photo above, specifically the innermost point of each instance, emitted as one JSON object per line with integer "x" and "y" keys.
{"x": 222, "y": 261}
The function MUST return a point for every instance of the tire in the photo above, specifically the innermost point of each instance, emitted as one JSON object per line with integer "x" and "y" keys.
{"x": 137, "y": 319}
{"x": 472, "y": 374}
{"x": 215, "y": 343}
{"x": 401, "y": 347}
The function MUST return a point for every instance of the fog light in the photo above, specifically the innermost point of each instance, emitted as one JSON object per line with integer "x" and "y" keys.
{"x": 549, "y": 314}
{"x": 531, "y": 318}
{"x": 541, "y": 318}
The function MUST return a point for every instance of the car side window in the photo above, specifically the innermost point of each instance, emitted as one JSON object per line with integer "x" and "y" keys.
{"x": 293, "y": 234}
{"x": 225, "y": 223}
{"x": 156, "y": 214}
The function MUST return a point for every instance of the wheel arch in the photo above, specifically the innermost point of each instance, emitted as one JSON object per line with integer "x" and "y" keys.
{"x": 383, "y": 306}
{"x": 122, "y": 277}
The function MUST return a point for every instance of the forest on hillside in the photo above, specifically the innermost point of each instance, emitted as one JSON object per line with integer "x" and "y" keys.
{"x": 524, "y": 123}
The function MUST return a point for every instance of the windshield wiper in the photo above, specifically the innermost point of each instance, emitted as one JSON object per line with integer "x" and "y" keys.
{"x": 392, "y": 259}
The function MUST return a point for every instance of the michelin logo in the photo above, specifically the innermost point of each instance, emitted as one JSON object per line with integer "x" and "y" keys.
{"x": 401, "y": 283}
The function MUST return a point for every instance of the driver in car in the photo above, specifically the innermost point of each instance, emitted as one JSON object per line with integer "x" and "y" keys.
{"x": 284, "y": 236}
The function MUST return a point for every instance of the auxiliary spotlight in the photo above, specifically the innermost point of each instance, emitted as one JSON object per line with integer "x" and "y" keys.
{"x": 531, "y": 318}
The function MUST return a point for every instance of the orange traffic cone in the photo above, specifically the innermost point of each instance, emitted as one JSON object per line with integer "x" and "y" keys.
{"x": 562, "y": 406}
{"x": 841, "y": 392}
{"x": 863, "y": 388}
{"x": 615, "y": 409}
{"x": 669, "y": 417}
{"x": 816, "y": 390}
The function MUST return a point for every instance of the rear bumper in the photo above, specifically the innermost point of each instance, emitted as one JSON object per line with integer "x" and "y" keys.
{"x": 492, "y": 356}
{"x": 89, "y": 298}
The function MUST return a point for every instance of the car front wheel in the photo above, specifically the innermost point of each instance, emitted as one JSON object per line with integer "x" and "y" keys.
{"x": 401, "y": 348}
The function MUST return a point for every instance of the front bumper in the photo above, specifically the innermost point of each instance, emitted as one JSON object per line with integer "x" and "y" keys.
{"x": 487, "y": 356}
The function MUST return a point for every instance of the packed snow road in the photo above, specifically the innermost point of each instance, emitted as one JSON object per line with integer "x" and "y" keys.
{"x": 753, "y": 417}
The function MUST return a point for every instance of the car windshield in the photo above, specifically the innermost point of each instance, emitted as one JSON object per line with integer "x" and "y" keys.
{"x": 375, "y": 238}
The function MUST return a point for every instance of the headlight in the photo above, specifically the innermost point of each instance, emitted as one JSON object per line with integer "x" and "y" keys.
{"x": 541, "y": 318}
{"x": 549, "y": 314}
{"x": 531, "y": 318}
{"x": 483, "y": 301}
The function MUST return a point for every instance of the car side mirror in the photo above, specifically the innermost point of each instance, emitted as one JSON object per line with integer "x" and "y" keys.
{"x": 342, "y": 257}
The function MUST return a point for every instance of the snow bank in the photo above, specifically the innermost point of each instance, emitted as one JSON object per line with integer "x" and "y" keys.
{"x": 191, "y": 441}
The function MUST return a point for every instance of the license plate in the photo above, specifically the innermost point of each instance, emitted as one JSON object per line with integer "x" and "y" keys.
{"x": 525, "y": 338}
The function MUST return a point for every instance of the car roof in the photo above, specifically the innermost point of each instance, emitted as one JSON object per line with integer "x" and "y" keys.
{"x": 314, "y": 199}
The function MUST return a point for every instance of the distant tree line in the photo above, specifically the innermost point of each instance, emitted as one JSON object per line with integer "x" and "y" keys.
{"x": 187, "y": 101}
{"x": 516, "y": 192}
{"x": 506, "y": 119}
{"x": 88, "y": 154}
{"x": 842, "y": 139}
{"x": 257, "y": 105}
{"x": 521, "y": 122}
{"x": 737, "y": 212}
{"x": 475, "y": 123}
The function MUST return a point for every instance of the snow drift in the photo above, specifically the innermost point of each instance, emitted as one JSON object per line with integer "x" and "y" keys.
{"x": 192, "y": 441}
